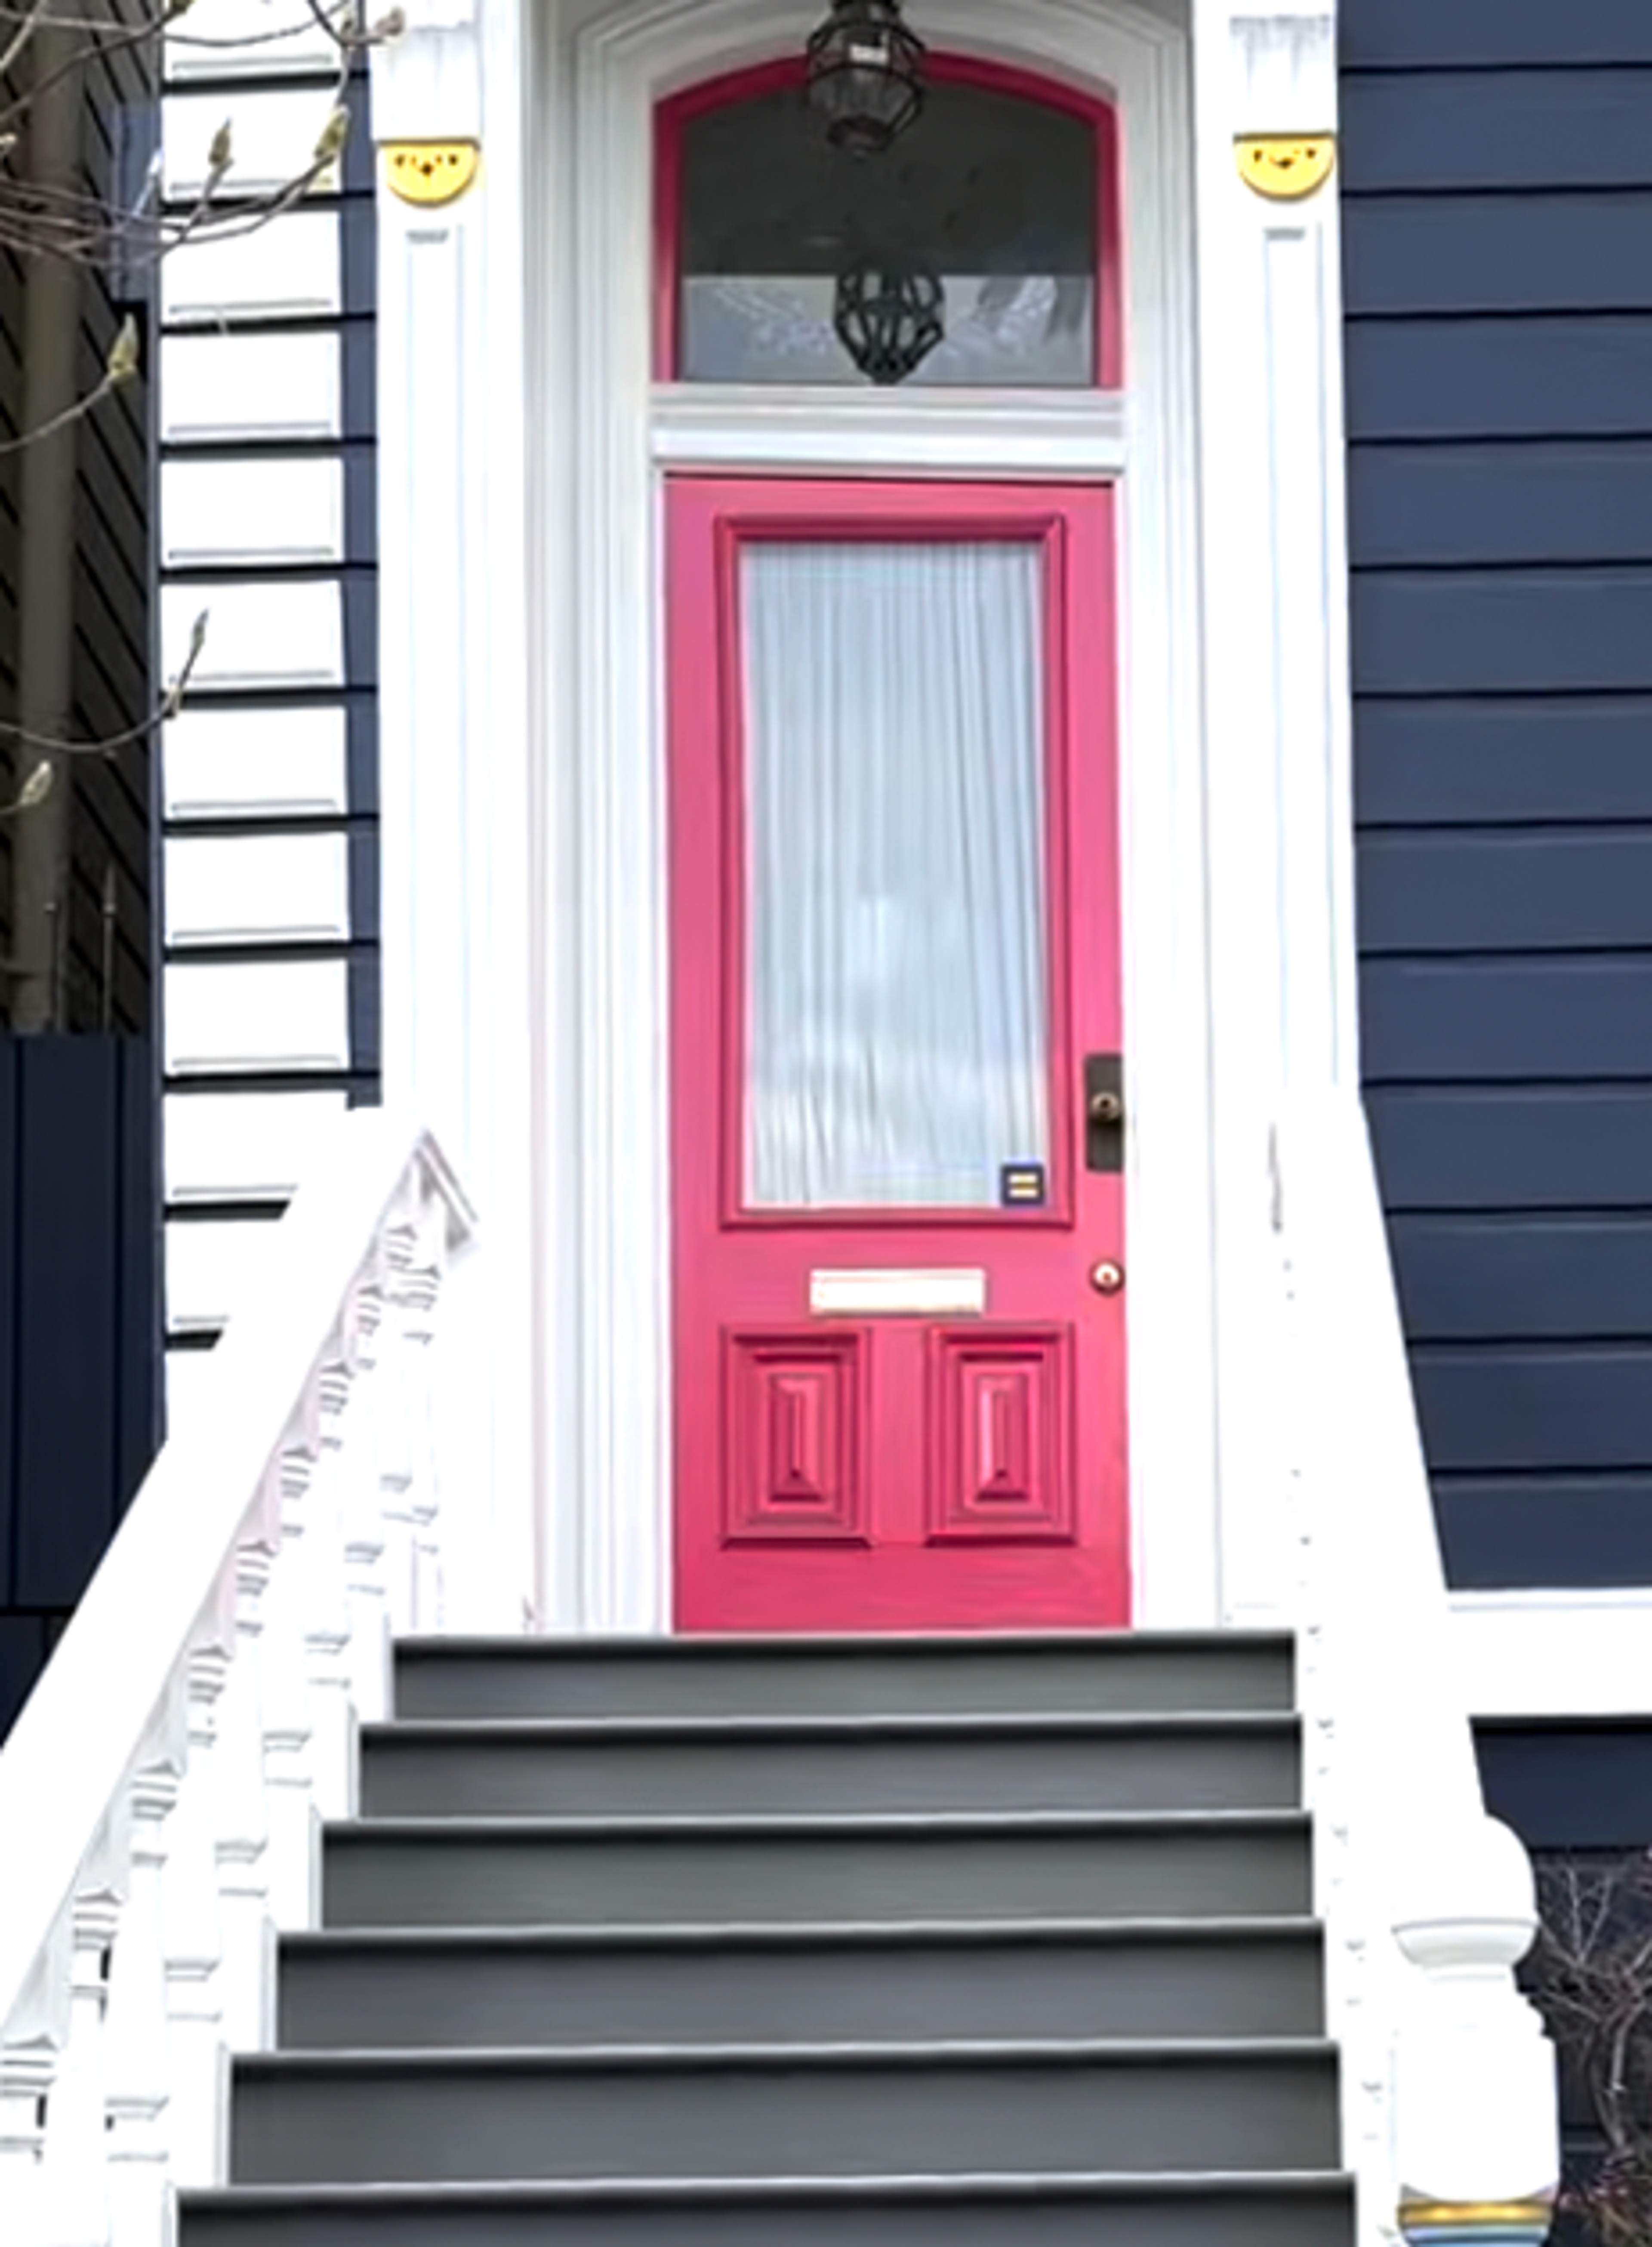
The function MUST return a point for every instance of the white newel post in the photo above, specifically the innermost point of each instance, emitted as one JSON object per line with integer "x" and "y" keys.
{"x": 461, "y": 1027}
{"x": 1475, "y": 2122}
{"x": 1277, "y": 687}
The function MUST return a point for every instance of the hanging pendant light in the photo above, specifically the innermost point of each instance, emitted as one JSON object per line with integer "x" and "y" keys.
{"x": 864, "y": 74}
{"x": 889, "y": 314}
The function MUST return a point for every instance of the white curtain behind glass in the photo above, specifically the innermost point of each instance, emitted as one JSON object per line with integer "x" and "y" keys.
{"x": 896, "y": 1025}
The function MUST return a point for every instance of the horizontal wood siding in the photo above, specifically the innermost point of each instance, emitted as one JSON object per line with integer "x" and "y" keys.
{"x": 272, "y": 977}
{"x": 1497, "y": 184}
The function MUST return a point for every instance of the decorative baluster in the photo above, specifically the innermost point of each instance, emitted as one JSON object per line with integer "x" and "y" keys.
{"x": 401, "y": 1449}
{"x": 243, "y": 1819}
{"x": 74, "y": 2170}
{"x": 362, "y": 1506}
{"x": 139, "y": 2074}
{"x": 195, "y": 1940}
{"x": 328, "y": 1620}
{"x": 289, "y": 1726}
{"x": 418, "y": 1289}
{"x": 31, "y": 2059}
{"x": 27, "y": 2072}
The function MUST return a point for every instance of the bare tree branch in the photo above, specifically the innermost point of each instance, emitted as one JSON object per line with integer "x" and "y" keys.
{"x": 1591, "y": 1973}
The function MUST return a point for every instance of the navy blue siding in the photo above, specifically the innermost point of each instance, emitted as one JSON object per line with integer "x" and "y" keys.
{"x": 1496, "y": 185}
{"x": 79, "y": 1324}
{"x": 1570, "y": 1783}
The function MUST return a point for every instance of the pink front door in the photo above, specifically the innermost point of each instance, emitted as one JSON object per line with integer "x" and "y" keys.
{"x": 898, "y": 1372}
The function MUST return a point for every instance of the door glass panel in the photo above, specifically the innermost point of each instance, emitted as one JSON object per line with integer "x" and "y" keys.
{"x": 970, "y": 248}
{"x": 897, "y": 1017}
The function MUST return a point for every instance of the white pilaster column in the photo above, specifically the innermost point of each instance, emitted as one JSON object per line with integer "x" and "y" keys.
{"x": 1277, "y": 697}
{"x": 460, "y": 1029}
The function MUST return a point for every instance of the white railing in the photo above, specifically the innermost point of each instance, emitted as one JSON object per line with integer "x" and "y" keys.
{"x": 161, "y": 1793}
{"x": 1449, "y": 2087}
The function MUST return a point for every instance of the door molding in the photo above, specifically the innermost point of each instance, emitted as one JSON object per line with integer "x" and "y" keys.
{"x": 618, "y": 1462}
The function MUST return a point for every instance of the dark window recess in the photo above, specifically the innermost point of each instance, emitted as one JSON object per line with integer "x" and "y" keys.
{"x": 968, "y": 254}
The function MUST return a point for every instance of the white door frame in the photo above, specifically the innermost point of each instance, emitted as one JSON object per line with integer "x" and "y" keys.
{"x": 1239, "y": 957}
{"x": 623, "y": 65}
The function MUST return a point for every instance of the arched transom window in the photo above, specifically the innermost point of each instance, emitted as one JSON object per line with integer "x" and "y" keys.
{"x": 981, "y": 250}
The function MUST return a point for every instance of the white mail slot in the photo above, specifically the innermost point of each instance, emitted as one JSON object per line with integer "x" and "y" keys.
{"x": 898, "y": 1294}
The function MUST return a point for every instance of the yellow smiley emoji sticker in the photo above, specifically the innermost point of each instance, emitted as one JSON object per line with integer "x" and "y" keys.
{"x": 1285, "y": 170}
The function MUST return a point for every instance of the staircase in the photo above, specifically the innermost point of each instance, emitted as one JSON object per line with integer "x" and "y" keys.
{"x": 870, "y": 1944}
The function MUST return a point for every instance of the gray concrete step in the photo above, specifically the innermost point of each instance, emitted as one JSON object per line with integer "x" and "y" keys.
{"x": 522, "y": 1987}
{"x": 1124, "y": 1671}
{"x": 1062, "y": 2210}
{"x": 732, "y": 1765}
{"x": 750, "y": 2112}
{"x": 621, "y": 1872}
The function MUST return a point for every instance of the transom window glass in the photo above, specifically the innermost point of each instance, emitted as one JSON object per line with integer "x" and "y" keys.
{"x": 967, "y": 254}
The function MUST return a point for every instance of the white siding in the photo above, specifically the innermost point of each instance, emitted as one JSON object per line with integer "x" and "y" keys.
{"x": 215, "y": 514}
{"x": 267, "y": 775}
{"x": 287, "y": 267}
{"x": 250, "y": 889}
{"x": 244, "y": 1146}
{"x": 248, "y": 39}
{"x": 219, "y": 387}
{"x": 207, "y": 1265}
{"x": 252, "y": 763}
{"x": 261, "y": 1015}
{"x": 272, "y": 138}
{"x": 260, "y": 634}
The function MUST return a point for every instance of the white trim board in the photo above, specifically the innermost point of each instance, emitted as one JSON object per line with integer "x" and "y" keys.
{"x": 1560, "y": 1653}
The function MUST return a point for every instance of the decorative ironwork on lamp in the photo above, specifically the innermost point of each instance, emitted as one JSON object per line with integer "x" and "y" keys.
{"x": 889, "y": 314}
{"x": 865, "y": 74}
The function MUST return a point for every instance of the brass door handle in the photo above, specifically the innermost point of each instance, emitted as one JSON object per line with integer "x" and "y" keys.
{"x": 1106, "y": 1107}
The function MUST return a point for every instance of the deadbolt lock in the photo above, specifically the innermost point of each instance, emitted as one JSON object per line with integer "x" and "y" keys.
{"x": 1104, "y": 1112}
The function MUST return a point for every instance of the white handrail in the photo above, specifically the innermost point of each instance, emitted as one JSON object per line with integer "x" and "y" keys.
{"x": 160, "y": 1791}
{"x": 1450, "y": 2123}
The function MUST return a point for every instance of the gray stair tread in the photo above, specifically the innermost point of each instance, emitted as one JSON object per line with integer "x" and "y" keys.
{"x": 1054, "y": 2208}
{"x": 941, "y": 1825}
{"x": 878, "y": 1673}
{"x": 797, "y": 1934}
{"x": 1009, "y": 2186}
{"x": 1015, "y": 1723}
{"x": 756, "y": 2110}
{"x": 953, "y": 2053}
{"x": 623, "y": 1868}
{"x": 756, "y": 1643}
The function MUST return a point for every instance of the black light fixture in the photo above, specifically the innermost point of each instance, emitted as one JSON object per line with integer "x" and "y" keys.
{"x": 889, "y": 314}
{"x": 865, "y": 74}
